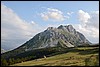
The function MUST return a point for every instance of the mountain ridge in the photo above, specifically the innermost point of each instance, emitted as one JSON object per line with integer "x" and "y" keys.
{"x": 51, "y": 36}
{"x": 66, "y": 36}
{"x": 50, "y": 41}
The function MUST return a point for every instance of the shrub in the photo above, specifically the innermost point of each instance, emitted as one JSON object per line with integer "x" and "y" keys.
{"x": 4, "y": 62}
{"x": 92, "y": 61}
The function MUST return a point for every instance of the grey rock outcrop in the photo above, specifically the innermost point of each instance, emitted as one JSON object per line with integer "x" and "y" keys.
{"x": 67, "y": 36}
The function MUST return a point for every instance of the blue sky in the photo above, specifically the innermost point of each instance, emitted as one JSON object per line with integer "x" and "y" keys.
{"x": 28, "y": 10}
{"x": 43, "y": 14}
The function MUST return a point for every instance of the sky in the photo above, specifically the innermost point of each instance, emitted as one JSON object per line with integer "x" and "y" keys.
{"x": 21, "y": 20}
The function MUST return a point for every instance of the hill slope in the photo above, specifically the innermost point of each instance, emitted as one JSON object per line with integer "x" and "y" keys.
{"x": 80, "y": 56}
{"x": 48, "y": 43}
{"x": 63, "y": 36}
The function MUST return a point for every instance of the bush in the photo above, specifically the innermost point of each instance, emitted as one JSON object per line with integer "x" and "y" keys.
{"x": 4, "y": 62}
{"x": 92, "y": 61}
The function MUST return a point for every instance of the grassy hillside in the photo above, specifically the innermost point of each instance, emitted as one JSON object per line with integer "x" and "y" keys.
{"x": 80, "y": 56}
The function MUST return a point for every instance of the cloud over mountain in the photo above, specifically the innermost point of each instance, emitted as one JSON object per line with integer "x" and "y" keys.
{"x": 53, "y": 14}
{"x": 89, "y": 24}
{"x": 15, "y": 29}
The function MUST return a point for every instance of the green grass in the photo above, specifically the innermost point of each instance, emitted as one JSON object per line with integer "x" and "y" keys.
{"x": 75, "y": 57}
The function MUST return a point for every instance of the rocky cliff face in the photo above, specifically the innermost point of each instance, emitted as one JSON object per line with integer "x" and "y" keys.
{"x": 66, "y": 36}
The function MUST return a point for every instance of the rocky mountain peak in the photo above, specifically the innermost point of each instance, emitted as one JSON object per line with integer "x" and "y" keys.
{"x": 49, "y": 28}
{"x": 70, "y": 26}
{"x": 60, "y": 27}
{"x": 71, "y": 29}
{"x": 66, "y": 36}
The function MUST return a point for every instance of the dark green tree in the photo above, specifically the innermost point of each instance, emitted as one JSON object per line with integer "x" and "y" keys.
{"x": 10, "y": 61}
{"x": 4, "y": 62}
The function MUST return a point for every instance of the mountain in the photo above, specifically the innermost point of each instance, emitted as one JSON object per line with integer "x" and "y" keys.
{"x": 67, "y": 36}
{"x": 50, "y": 42}
{"x": 63, "y": 36}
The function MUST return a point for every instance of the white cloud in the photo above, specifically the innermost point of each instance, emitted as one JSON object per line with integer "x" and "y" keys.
{"x": 33, "y": 22}
{"x": 83, "y": 16}
{"x": 53, "y": 14}
{"x": 15, "y": 30}
{"x": 45, "y": 17}
{"x": 67, "y": 17}
{"x": 70, "y": 13}
{"x": 91, "y": 34}
{"x": 55, "y": 10}
{"x": 94, "y": 20}
{"x": 89, "y": 25}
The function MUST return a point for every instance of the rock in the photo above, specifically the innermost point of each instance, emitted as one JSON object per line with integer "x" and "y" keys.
{"x": 51, "y": 36}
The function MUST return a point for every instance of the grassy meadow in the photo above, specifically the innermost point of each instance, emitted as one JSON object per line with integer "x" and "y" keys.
{"x": 80, "y": 56}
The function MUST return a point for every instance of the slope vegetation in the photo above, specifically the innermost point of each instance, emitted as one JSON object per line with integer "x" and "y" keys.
{"x": 80, "y": 56}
